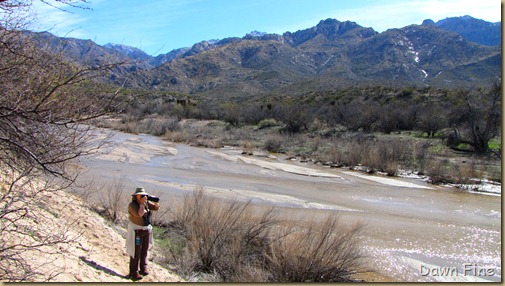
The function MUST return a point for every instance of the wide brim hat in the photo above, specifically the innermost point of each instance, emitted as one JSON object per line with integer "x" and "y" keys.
{"x": 140, "y": 191}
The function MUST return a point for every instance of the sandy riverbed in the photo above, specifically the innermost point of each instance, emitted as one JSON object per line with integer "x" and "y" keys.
{"x": 411, "y": 224}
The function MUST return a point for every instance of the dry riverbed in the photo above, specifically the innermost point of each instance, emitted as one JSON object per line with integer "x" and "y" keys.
{"x": 415, "y": 231}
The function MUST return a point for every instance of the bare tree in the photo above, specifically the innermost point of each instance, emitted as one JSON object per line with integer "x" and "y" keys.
{"x": 44, "y": 103}
{"x": 432, "y": 118}
{"x": 296, "y": 118}
{"x": 231, "y": 113}
{"x": 357, "y": 115}
{"x": 478, "y": 118}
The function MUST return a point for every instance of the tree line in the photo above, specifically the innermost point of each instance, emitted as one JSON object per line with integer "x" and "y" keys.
{"x": 466, "y": 119}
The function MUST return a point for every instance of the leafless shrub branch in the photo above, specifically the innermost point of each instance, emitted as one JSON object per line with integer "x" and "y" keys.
{"x": 240, "y": 244}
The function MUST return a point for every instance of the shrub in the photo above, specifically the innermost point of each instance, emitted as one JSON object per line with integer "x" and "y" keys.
{"x": 159, "y": 126}
{"x": 248, "y": 147}
{"x": 220, "y": 237}
{"x": 437, "y": 171}
{"x": 384, "y": 156}
{"x": 296, "y": 118}
{"x": 237, "y": 243}
{"x": 322, "y": 252}
{"x": 274, "y": 144}
{"x": 334, "y": 154}
{"x": 114, "y": 201}
{"x": 269, "y": 122}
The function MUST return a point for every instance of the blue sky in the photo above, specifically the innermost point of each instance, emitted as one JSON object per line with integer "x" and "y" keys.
{"x": 159, "y": 26}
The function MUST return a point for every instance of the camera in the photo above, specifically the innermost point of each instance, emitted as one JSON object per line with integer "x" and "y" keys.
{"x": 147, "y": 218}
{"x": 153, "y": 199}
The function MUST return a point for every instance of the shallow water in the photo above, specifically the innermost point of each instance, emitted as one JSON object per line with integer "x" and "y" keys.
{"x": 415, "y": 231}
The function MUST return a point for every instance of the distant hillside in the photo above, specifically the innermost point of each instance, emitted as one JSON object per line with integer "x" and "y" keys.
{"x": 475, "y": 30}
{"x": 342, "y": 53}
{"x": 326, "y": 56}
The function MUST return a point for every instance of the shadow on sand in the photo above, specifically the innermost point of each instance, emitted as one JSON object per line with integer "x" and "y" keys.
{"x": 101, "y": 268}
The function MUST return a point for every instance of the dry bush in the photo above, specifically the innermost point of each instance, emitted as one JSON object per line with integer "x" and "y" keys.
{"x": 321, "y": 252}
{"x": 155, "y": 124}
{"x": 466, "y": 172}
{"x": 421, "y": 155}
{"x": 220, "y": 236}
{"x": 129, "y": 127}
{"x": 248, "y": 147}
{"x": 385, "y": 156}
{"x": 334, "y": 154}
{"x": 235, "y": 242}
{"x": 177, "y": 136}
{"x": 494, "y": 172}
{"x": 266, "y": 123}
{"x": 355, "y": 153}
{"x": 115, "y": 200}
{"x": 274, "y": 143}
{"x": 159, "y": 126}
{"x": 232, "y": 135}
{"x": 161, "y": 216}
{"x": 438, "y": 172}
{"x": 208, "y": 143}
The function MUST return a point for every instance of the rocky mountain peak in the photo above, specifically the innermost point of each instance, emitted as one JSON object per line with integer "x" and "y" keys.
{"x": 256, "y": 34}
{"x": 330, "y": 27}
{"x": 429, "y": 23}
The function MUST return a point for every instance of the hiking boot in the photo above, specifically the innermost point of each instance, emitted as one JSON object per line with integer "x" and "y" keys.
{"x": 135, "y": 276}
{"x": 144, "y": 272}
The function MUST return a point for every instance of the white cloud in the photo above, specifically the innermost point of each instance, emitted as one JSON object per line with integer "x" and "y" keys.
{"x": 55, "y": 20}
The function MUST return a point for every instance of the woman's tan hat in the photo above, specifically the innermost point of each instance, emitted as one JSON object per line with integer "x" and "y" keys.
{"x": 140, "y": 191}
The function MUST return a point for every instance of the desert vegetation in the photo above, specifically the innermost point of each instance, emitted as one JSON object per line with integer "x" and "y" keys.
{"x": 388, "y": 130}
{"x": 207, "y": 239}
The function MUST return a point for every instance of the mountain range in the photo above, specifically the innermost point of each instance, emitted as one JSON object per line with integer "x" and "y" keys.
{"x": 454, "y": 52}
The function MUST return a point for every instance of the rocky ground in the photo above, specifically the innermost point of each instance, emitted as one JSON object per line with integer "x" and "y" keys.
{"x": 96, "y": 252}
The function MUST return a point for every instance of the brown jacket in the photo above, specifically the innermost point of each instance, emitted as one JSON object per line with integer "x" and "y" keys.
{"x": 133, "y": 210}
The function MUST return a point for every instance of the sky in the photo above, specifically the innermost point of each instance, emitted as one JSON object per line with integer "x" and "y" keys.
{"x": 159, "y": 26}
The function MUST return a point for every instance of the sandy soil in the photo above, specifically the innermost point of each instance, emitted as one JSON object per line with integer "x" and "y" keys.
{"x": 96, "y": 252}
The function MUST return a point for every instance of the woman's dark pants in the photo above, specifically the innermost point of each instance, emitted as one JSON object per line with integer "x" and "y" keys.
{"x": 140, "y": 252}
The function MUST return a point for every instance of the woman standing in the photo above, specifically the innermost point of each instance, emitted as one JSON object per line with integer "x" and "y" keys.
{"x": 139, "y": 237}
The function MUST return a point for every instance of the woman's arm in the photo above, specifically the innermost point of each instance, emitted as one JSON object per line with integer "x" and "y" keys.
{"x": 153, "y": 205}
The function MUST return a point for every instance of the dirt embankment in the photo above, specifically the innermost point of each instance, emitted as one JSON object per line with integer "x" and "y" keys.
{"x": 96, "y": 252}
